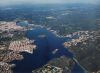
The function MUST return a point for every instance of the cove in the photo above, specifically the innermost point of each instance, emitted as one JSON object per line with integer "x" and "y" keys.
{"x": 45, "y": 46}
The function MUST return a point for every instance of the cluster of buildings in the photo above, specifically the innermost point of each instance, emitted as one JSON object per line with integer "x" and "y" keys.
{"x": 5, "y": 68}
{"x": 24, "y": 45}
{"x": 7, "y": 57}
{"x": 8, "y": 26}
{"x": 80, "y": 36}
{"x": 49, "y": 69}
{"x": 5, "y": 28}
{"x": 10, "y": 56}
{"x": 11, "y": 45}
{"x": 17, "y": 45}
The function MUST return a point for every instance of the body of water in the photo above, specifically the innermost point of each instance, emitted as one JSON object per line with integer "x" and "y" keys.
{"x": 46, "y": 42}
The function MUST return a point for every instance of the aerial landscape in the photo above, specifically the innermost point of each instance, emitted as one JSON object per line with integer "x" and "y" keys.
{"x": 50, "y": 36}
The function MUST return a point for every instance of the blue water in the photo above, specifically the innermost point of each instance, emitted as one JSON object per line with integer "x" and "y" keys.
{"x": 43, "y": 53}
